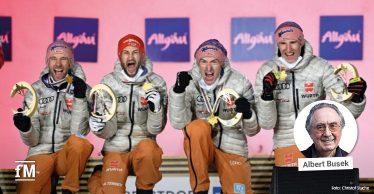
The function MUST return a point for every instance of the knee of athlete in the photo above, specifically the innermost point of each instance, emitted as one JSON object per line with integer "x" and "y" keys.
{"x": 81, "y": 146}
{"x": 148, "y": 149}
{"x": 199, "y": 128}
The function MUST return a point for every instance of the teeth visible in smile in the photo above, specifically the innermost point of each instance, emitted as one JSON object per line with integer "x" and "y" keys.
{"x": 289, "y": 54}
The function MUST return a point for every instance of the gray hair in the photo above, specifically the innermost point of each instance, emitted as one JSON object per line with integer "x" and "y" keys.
{"x": 308, "y": 123}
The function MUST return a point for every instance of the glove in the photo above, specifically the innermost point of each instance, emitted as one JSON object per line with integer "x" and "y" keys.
{"x": 96, "y": 124}
{"x": 183, "y": 80}
{"x": 154, "y": 99}
{"x": 80, "y": 87}
{"x": 269, "y": 84}
{"x": 21, "y": 121}
{"x": 243, "y": 106}
{"x": 358, "y": 89}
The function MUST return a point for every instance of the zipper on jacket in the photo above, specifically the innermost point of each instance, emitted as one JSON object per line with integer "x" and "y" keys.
{"x": 297, "y": 99}
{"x": 293, "y": 93}
{"x": 131, "y": 116}
{"x": 56, "y": 111}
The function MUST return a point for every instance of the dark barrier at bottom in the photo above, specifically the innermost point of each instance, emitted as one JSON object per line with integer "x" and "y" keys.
{"x": 291, "y": 181}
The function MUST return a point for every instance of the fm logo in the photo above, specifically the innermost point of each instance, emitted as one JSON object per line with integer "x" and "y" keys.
{"x": 28, "y": 171}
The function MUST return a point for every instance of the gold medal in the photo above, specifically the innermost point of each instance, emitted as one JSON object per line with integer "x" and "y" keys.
{"x": 69, "y": 79}
{"x": 281, "y": 74}
{"x": 147, "y": 86}
{"x": 212, "y": 120}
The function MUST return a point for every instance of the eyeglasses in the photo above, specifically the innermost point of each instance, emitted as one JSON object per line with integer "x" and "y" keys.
{"x": 333, "y": 127}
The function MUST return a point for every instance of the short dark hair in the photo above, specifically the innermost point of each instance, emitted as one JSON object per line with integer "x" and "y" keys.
{"x": 308, "y": 123}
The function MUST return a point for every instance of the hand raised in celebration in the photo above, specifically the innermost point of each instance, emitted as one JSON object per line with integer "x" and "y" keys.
{"x": 269, "y": 84}
{"x": 154, "y": 100}
{"x": 183, "y": 80}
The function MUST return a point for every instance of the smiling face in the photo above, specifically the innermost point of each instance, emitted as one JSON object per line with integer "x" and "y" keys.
{"x": 210, "y": 69}
{"x": 131, "y": 58}
{"x": 290, "y": 49}
{"x": 326, "y": 131}
{"x": 59, "y": 65}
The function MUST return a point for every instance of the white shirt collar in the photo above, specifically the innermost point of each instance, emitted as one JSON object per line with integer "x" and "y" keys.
{"x": 133, "y": 79}
{"x": 290, "y": 65}
{"x": 206, "y": 87}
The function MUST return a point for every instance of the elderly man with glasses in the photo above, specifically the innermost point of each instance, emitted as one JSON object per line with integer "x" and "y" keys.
{"x": 324, "y": 125}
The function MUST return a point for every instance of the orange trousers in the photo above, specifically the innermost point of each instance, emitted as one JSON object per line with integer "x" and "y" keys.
{"x": 70, "y": 162}
{"x": 233, "y": 170}
{"x": 144, "y": 162}
{"x": 287, "y": 156}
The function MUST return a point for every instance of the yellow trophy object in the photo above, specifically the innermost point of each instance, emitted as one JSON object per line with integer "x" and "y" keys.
{"x": 343, "y": 70}
{"x": 108, "y": 114}
{"x": 225, "y": 94}
{"x": 31, "y": 108}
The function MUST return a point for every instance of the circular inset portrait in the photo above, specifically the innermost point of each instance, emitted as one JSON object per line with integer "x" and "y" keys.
{"x": 325, "y": 129}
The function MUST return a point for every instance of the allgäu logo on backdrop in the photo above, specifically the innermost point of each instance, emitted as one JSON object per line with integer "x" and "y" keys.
{"x": 81, "y": 33}
{"x": 168, "y": 39}
{"x": 252, "y": 38}
{"x": 341, "y": 37}
{"x": 6, "y": 37}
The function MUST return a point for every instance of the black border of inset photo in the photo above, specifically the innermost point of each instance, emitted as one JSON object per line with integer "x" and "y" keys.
{"x": 349, "y": 134}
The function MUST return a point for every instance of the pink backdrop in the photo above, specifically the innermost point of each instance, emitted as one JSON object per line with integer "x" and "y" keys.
{"x": 32, "y": 31}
